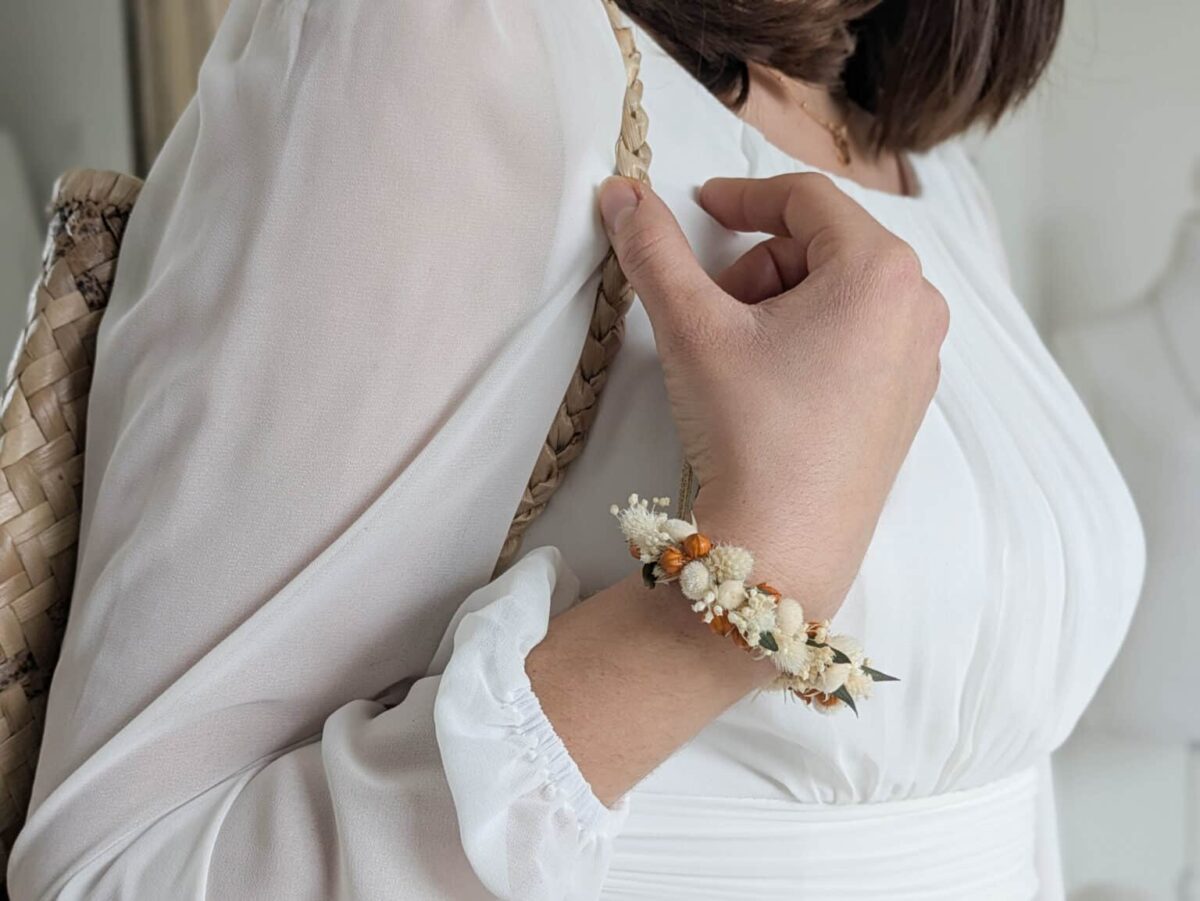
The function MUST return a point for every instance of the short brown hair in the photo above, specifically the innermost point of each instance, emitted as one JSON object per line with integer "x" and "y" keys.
{"x": 925, "y": 69}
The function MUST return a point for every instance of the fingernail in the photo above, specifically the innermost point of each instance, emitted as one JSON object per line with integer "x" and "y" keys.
{"x": 618, "y": 199}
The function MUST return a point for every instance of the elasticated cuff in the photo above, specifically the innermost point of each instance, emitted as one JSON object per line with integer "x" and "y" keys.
{"x": 530, "y": 823}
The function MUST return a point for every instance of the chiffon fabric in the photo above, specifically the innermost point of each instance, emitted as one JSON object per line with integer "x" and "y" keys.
{"x": 350, "y": 299}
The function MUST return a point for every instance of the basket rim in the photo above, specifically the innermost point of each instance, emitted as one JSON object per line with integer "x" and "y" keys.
{"x": 99, "y": 186}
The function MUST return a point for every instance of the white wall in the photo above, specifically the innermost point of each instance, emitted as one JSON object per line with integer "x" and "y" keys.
{"x": 63, "y": 87}
{"x": 63, "y": 103}
{"x": 1091, "y": 178}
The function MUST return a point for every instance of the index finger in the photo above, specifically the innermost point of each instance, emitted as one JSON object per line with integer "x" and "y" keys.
{"x": 801, "y": 206}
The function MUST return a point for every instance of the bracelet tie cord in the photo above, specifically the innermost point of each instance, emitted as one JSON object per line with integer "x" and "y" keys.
{"x": 825, "y": 670}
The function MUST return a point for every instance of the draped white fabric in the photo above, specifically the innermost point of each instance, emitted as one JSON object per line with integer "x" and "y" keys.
{"x": 350, "y": 300}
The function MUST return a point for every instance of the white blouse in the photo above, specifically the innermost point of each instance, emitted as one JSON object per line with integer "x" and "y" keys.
{"x": 350, "y": 299}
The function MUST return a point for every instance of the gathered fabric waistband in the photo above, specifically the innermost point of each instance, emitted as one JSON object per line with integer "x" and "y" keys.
{"x": 976, "y": 844}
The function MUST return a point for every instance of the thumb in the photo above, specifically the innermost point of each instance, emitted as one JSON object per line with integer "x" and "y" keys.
{"x": 652, "y": 249}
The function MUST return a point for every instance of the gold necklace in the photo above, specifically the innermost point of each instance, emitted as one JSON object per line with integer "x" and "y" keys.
{"x": 840, "y": 132}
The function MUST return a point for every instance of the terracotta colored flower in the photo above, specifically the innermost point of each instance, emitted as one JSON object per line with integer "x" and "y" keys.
{"x": 671, "y": 560}
{"x": 696, "y": 545}
{"x": 819, "y": 701}
{"x": 721, "y": 625}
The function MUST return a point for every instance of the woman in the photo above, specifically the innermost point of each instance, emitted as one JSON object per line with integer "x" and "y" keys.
{"x": 352, "y": 296}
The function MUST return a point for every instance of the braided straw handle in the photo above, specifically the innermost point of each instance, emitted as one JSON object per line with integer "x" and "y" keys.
{"x": 614, "y": 295}
{"x": 41, "y": 462}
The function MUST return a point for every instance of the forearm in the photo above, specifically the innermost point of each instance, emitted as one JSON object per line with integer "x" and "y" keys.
{"x": 630, "y": 674}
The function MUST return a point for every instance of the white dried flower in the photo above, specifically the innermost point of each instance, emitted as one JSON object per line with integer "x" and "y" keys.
{"x": 642, "y": 525}
{"x": 859, "y": 684}
{"x": 679, "y": 529}
{"x": 728, "y": 562}
{"x": 789, "y": 617}
{"x": 731, "y": 594}
{"x": 796, "y": 657}
{"x": 783, "y": 682}
{"x": 819, "y": 659}
{"x": 695, "y": 581}
{"x": 757, "y": 615}
{"x": 849, "y": 646}
{"x": 821, "y": 633}
{"x": 832, "y": 677}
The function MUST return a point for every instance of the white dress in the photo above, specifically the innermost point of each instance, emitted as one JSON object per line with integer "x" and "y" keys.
{"x": 350, "y": 300}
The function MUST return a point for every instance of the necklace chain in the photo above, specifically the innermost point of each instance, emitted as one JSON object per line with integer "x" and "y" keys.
{"x": 838, "y": 131}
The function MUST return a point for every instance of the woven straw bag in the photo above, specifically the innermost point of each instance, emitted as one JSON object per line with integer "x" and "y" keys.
{"x": 44, "y": 415}
{"x": 41, "y": 463}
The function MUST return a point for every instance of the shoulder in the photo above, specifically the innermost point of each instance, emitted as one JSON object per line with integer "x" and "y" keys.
{"x": 489, "y": 69}
{"x": 427, "y": 119}
{"x": 449, "y": 52}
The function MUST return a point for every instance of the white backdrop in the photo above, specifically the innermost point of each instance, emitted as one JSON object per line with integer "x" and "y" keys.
{"x": 63, "y": 103}
{"x": 63, "y": 87}
{"x": 1092, "y": 176}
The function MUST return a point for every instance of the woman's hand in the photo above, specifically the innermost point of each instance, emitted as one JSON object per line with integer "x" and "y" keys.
{"x": 797, "y": 377}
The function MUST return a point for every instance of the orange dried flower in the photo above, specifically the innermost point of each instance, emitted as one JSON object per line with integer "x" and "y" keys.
{"x": 696, "y": 545}
{"x": 671, "y": 560}
{"x": 768, "y": 589}
{"x": 812, "y": 696}
{"x": 721, "y": 625}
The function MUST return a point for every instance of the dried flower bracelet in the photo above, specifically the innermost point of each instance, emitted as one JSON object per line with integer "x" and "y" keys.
{"x": 825, "y": 670}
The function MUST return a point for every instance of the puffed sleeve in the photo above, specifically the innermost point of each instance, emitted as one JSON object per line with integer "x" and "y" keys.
{"x": 349, "y": 302}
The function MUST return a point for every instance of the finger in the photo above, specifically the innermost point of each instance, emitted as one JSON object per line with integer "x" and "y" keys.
{"x": 765, "y": 270}
{"x": 652, "y": 249}
{"x": 805, "y": 206}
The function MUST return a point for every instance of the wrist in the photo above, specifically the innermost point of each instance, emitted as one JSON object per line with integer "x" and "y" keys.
{"x": 786, "y": 555}
{"x": 661, "y": 619}
{"x": 735, "y": 590}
